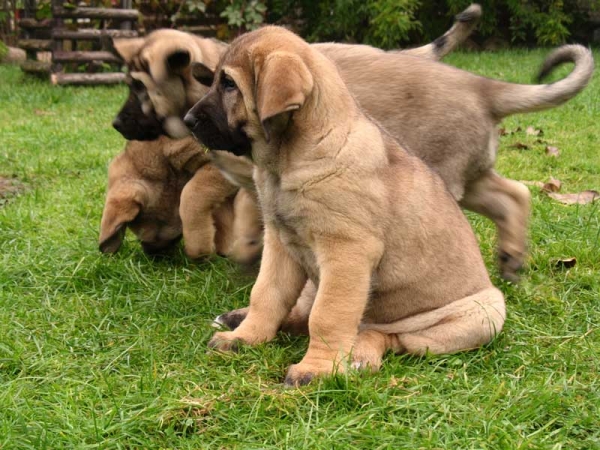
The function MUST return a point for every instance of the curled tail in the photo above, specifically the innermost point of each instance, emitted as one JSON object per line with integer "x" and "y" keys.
{"x": 464, "y": 24}
{"x": 509, "y": 98}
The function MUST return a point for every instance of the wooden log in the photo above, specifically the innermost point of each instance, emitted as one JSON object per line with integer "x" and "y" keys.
{"x": 95, "y": 13}
{"x": 33, "y": 24}
{"x": 35, "y": 44}
{"x": 84, "y": 57}
{"x": 92, "y": 35}
{"x": 37, "y": 67}
{"x": 87, "y": 78}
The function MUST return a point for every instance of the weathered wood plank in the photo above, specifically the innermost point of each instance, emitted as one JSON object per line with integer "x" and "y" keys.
{"x": 91, "y": 35}
{"x": 86, "y": 78}
{"x": 33, "y": 24}
{"x": 95, "y": 13}
{"x": 83, "y": 56}
{"x": 35, "y": 44}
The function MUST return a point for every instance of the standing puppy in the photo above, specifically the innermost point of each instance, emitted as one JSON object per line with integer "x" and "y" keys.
{"x": 394, "y": 260}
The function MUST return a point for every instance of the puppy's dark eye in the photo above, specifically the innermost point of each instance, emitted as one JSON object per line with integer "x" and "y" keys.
{"x": 228, "y": 84}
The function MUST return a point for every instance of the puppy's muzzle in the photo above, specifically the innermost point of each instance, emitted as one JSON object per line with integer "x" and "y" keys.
{"x": 160, "y": 248}
{"x": 204, "y": 119}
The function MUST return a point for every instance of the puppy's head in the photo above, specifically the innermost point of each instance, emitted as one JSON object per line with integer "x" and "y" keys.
{"x": 259, "y": 83}
{"x": 145, "y": 201}
{"x": 160, "y": 83}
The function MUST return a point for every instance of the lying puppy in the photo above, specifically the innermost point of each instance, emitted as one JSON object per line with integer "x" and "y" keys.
{"x": 396, "y": 263}
{"x": 165, "y": 189}
{"x": 162, "y": 88}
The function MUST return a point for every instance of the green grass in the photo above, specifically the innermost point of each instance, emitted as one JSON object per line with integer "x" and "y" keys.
{"x": 110, "y": 351}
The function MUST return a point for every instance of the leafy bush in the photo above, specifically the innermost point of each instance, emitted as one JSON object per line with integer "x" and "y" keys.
{"x": 389, "y": 23}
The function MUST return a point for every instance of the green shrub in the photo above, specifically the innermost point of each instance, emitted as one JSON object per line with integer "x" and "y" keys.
{"x": 389, "y": 23}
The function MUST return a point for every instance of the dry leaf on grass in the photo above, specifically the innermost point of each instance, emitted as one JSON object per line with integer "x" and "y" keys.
{"x": 552, "y": 151}
{"x": 41, "y": 112}
{"x": 565, "y": 263}
{"x": 580, "y": 198}
{"x": 532, "y": 183}
{"x": 553, "y": 185}
{"x": 534, "y": 131}
{"x": 505, "y": 132}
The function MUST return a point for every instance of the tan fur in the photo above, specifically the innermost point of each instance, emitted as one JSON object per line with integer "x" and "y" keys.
{"x": 167, "y": 188}
{"x": 395, "y": 261}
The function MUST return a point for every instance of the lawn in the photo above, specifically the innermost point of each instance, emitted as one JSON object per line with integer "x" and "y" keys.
{"x": 104, "y": 351}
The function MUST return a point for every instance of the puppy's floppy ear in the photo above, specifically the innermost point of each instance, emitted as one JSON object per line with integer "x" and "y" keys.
{"x": 122, "y": 206}
{"x": 124, "y": 48}
{"x": 174, "y": 62}
{"x": 203, "y": 74}
{"x": 282, "y": 85}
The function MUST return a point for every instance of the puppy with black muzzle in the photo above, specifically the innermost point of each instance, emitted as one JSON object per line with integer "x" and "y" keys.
{"x": 394, "y": 261}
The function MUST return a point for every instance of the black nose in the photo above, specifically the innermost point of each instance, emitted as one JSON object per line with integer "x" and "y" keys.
{"x": 117, "y": 124}
{"x": 190, "y": 120}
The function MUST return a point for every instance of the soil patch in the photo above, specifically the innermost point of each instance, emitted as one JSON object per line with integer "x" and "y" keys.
{"x": 10, "y": 187}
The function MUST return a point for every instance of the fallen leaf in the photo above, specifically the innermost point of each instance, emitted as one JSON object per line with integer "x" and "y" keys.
{"x": 41, "y": 112}
{"x": 581, "y": 198}
{"x": 532, "y": 183}
{"x": 520, "y": 146}
{"x": 566, "y": 263}
{"x": 505, "y": 132}
{"x": 530, "y": 131}
{"x": 552, "y": 186}
{"x": 552, "y": 151}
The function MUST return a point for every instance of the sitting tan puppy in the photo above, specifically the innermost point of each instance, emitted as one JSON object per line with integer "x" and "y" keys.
{"x": 165, "y": 189}
{"x": 448, "y": 118}
{"x": 396, "y": 263}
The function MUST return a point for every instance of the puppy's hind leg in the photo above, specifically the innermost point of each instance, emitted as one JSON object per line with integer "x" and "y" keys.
{"x": 464, "y": 324}
{"x": 507, "y": 203}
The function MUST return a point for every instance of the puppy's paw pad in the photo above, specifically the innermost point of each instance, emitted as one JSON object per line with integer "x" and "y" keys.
{"x": 225, "y": 342}
{"x": 303, "y": 373}
{"x": 297, "y": 378}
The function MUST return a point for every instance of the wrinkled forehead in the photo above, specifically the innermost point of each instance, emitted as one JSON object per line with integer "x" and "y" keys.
{"x": 247, "y": 52}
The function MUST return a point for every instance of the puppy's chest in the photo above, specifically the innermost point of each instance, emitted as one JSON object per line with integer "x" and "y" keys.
{"x": 292, "y": 215}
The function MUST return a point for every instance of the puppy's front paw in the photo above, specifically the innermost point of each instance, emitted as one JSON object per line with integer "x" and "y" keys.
{"x": 225, "y": 341}
{"x": 302, "y": 373}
